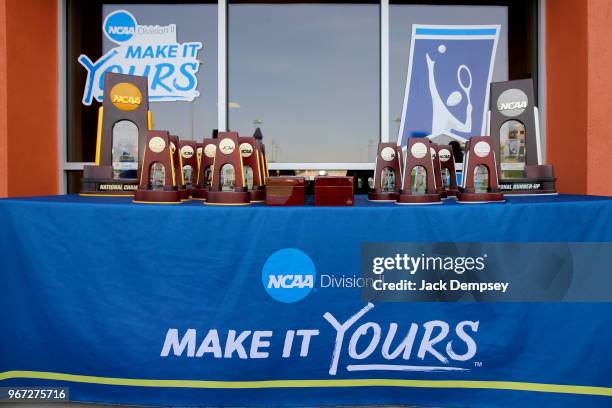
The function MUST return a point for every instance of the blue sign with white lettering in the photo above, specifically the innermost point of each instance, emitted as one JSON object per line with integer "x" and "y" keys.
{"x": 448, "y": 80}
{"x": 151, "y": 51}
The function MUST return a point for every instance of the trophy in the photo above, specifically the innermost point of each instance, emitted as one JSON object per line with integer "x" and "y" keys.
{"x": 387, "y": 179}
{"x": 418, "y": 179}
{"x": 209, "y": 150}
{"x": 253, "y": 169}
{"x": 178, "y": 167}
{"x": 228, "y": 186}
{"x": 188, "y": 150}
{"x": 448, "y": 172}
{"x": 258, "y": 136}
{"x": 123, "y": 121}
{"x": 157, "y": 174}
{"x": 515, "y": 131}
{"x": 479, "y": 182}
{"x": 435, "y": 160}
{"x": 286, "y": 190}
{"x": 334, "y": 191}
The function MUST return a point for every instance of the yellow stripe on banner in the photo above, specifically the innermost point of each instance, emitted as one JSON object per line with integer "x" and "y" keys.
{"x": 374, "y": 382}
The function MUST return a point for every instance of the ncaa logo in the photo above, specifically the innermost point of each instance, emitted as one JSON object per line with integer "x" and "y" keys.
{"x": 119, "y": 26}
{"x": 288, "y": 275}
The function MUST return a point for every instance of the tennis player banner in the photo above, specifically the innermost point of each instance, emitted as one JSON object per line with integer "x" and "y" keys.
{"x": 447, "y": 87}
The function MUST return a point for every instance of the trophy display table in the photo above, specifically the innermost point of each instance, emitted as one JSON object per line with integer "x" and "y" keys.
{"x": 100, "y": 294}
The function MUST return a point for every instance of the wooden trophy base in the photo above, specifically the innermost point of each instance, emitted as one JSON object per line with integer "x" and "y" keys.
{"x": 184, "y": 192}
{"x": 108, "y": 188}
{"x": 451, "y": 193}
{"x": 480, "y": 198}
{"x": 382, "y": 197}
{"x": 228, "y": 198}
{"x": 418, "y": 199}
{"x": 258, "y": 195}
{"x": 528, "y": 186}
{"x": 157, "y": 197}
{"x": 540, "y": 180}
{"x": 99, "y": 181}
{"x": 199, "y": 193}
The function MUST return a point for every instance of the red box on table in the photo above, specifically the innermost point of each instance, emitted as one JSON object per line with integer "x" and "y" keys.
{"x": 334, "y": 191}
{"x": 286, "y": 191}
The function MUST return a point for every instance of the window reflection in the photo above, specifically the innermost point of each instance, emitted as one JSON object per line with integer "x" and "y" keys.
{"x": 387, "y": 179}
{"x": 418, "y": 180}
{"x": 512, "y": 149}
{"x": 248, "y": 177}
{"x": 481, "y": 179}
{"x": 308, "y": 75}
{"x": 157, "y": 176}
{"x": 227, "y": 178}
{"x": 445, "y": 178}
{"x": 125, "y": 149}
{"x": 207, "y": 176}
{"x": 188, "y": 176}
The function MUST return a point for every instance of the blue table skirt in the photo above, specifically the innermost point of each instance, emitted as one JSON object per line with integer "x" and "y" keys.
{"x": 92, "y": 287}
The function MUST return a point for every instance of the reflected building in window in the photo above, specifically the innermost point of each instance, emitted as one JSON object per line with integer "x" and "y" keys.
{"x": 228, "y": 178}
{"x": 481, "y": 179}
{"x": 387, "y": 180}
{"x": 125, "y": 150}
{"x": 248, "y": 177}
{"x": 418, "y": 180}
{"x": 512, "y": 149}
{"x": 157, "y": 176}
{"x": 188, "y": 176}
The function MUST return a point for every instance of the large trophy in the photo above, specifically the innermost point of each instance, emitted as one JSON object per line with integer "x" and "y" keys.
{"x": 449, "y": 173}
{"x": 204, "y": 176}
{"x": 178, "y": 167}
{"x": 479, "y": 183}
{"x": 419, "y": 180}
{"x": 188, "y": 150}
{"x": 228, "y": 186}
{"x": 157, "y": 174}
{"x": 515, "y": 131}
{"x": 123, "y": 121}
{"x": 387, "y": 179}
{"x": 253, "y": 168}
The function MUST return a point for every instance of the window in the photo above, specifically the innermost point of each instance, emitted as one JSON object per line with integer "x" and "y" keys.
{"x": 189, "y": 119}
{"x": 308, "y": 75}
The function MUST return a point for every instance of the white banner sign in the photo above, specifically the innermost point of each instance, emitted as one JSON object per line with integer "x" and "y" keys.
{"x": 151, "y": 51}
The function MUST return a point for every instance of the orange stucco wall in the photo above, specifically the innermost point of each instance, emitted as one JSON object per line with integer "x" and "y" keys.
{"x": 3, "y": 118}
{"x": 579, "y": 100}
{"x": 566, "y": 72}
{"x": 599, "y": 163}
{"x": 29, "y": 98}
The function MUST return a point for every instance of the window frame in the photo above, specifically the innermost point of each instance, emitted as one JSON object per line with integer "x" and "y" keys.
{"x": 66, "y": 166}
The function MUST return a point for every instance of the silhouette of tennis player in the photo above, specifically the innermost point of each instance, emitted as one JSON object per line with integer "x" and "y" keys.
{"x": 444, "y": 122}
